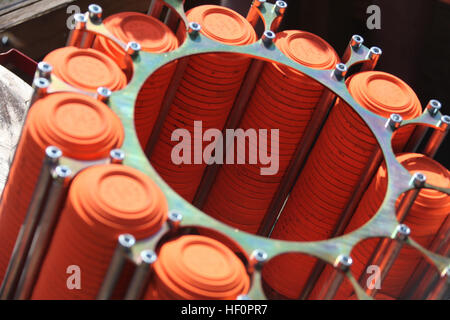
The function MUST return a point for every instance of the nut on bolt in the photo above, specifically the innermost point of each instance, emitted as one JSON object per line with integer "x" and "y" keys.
{"x": 268, "y": 38}
{"x": 148, "y": 256}
{"x": 95, "y": 13}
{"x": 340, "y": 71}
{"x": 356, "y": 42}
{"x": 127, "y": 241}
{"x": 80, "y": 20}
{"x": 133, "y": 49}
{"x": 53, "y": 153}
{"x": 343, "y": 263}
{"x": 433, "y": 107}
{"x": 419, "y": 179}
{"x": 394, "y": 122}
{"x": 280, "y": 7}
{"x": 44, "y": 69}
{"x": 117, "y": 156}
{"x": 445, "y": 122}
{"x": 194, "y": 29}
{"x": 375, "y": 53}
{"x": 103, "y": 94}
{"x": 402, "y": 232}
{"x": 258, "y": 258}
{"x": 175, "y": 219}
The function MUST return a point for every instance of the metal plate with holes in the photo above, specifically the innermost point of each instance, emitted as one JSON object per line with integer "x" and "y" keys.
{"x": 259, "y": 249}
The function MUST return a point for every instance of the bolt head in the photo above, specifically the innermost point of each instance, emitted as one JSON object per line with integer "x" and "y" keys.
{"x": 148, "y": 256}
{"x": 127, "y": 240}
{"x": 175, "y": 216}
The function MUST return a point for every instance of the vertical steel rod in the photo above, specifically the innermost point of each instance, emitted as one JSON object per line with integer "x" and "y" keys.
{"x": 166, "y": 105}
{"x": 331, "y": 287}
{"x": 141, "y": 276}
{"x": 299, "y": 159}
{"x": 121, "y": 254}
{"x": 44, "y": 231}
{"x": 386, "y": 255}
{"x": 437, "y": 137}
{"x": 441, "y": 287}
{"x": 233, "y": 121}
{"x": 27, "y": 230}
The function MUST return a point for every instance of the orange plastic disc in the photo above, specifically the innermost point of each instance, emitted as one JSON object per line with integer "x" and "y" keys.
{"x": 82, "y": 127}
{"x": 153, "y": 35}
{"x": 86, "y": 69}
{"x": 306, "y": 49}
{"x": 198, "y": 267}
{"x": 384, "y": 94}
{"x": 223, "y": 25}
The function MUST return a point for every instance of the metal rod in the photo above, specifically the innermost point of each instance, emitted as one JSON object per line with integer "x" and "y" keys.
{"x": 141, "y": 276}
{"x": 433, "y": 107}
{"x": 441, "y": 287}
{"x": 425, "y": 273}
{"x": 44, "y": 70}
{"x": 341, "y": 266}
{"x": 253, "y": 14}
{"x": 354, "y": 45}
{"x": 233, "y": 121}
{"x": 121, "y": 254}
{"x": 40, "y": 89}
{"x": 76, "y": 35}
{"x": 155, "y": 9}
{"x": 166, "y": 105}
{"x": 44, "y": 231}
{"x": 299, "y": 159}
{"x": 386, "y": 255}
{"x": 437, "y": 137}
{"x": 280, "y": 10}
{"x": 27, "y": 230}
{"x": 172, "y": 19}
{"x": 408, "y": 199}
{"x": 373, "y": 57}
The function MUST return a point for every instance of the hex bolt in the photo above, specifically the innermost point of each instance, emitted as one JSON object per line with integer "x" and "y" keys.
{"x": 148, "y": 256}
{"x": 40, "y": 86}
{"x": 433, "y": 107}
{"x": 175, "y": 219}
{"x": 194, "y": 29}
{"x": 356, "y": 42}
{"x": 80, "y": 21}
{"x": 343, "y": 263}
{"x": 340, "y": 71}
{"x": 280, "y": 7}
{"x": 419, "y": 179}
{"x": 437, "y": 137}
{"x": 257, "y": 259}
{"x": 394, "y": 122}
{"x": 117, "y": 156}
{"x": 133, "y": 48}
{"x": 268, "y": 38}
{"x": 127, "y": 241}
{"x": 402, "y": 232}
{"x": 44, "y": 70}
{"x": 53, "y": 153}
{"x": 375, "y": 53}
{"x": 103, "y": 94}
{"x": 95, "y": 13}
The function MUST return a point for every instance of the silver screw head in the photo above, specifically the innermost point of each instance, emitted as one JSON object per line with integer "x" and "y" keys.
{"x": 127, "y": 240}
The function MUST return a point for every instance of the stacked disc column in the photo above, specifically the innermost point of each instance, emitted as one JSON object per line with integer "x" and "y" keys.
{"x": 197, "y": 268}
{"x": 285, "y": 100}
{"x": 82, "y": 127}
{"x": 86, "y": 69}
{"x": 426, "y": 216}
{"x": 103, "y": 203}
{"x": 154, "y": 37}
{"x": 204, "y": 99}
{"x": 333, "y": 171}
